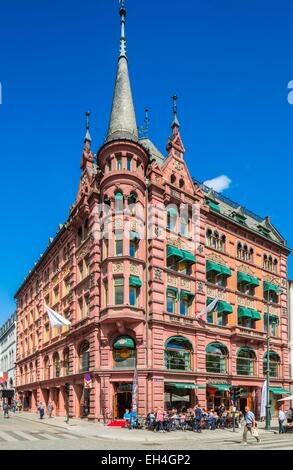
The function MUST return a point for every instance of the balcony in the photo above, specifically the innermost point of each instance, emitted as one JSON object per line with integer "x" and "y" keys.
{"x": 124, "y": 313}
{"x": 248, "y": 333}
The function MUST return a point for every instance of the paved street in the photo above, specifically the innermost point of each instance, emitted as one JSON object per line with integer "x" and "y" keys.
{"x": 26, "y": 432}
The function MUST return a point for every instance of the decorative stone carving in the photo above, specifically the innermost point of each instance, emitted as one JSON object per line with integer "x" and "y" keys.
{"x": 118, "y": 268}
{"x": 83, "y": 252}
{"x": 284, "y": 312}
{"x": 200, "y": 287}
{"x": 200, "y": 249}
{"x": 185, "y": 284}
{"x": 246, "y": 270}
{"x": 158, "y": 274}
{"x": 134, "y": 269}
{"x": 245, "y": 302}
{"x": 217, "y": 294}
{"x": 182, "y": 245}
{"x": 177, "y": 165}
{"x": 216, "y": 259}
{"x": 172, "y": 280}
{"x": 118, "y": 224}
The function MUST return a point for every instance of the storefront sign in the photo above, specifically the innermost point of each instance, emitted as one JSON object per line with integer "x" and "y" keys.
{"x": 219, "y": 381}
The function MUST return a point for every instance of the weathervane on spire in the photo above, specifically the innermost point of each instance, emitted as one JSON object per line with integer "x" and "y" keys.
{"x": 87, "y": 135}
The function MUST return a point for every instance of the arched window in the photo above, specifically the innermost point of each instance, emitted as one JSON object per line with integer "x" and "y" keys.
{"x": 181, "y": 183}
{"x": 265, "y": 262}
{"x": 274, "y": 364}
{"x": 178, "y": 354}
{"x": 245, "y": 362}
{"x": 251, "y": 254}
{"x": 239, "y": 251}
{"x": 222, "y": 243}
{"x": 46, "y": 368}
{"x": 32, "y": 375}
{"x": 270, "y": 263}
{"x": 84, "y": 357}
{"x": 132, "y": 200}
{"x": 209, "y": 237}
{"x": 124, "y": 352}
{"x": 173, "y": 179}
{"x": 275, "y": 269}
{"x": 216, "y": 358}
{"x": 56, "y": 365}
{"x": 119, "y": 202}
{"x": 66, "y": 365}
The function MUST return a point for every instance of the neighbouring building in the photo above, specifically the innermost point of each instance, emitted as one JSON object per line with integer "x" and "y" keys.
{"x": 290, "y": 301}
{"x": 134, "y": 295}
{"x": 8, "y": 358}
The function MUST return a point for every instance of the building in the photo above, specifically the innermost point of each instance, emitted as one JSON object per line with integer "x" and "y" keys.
{"x": 134, "y": 291}
{"x": 8, "y": 357}
{"x": 290, "y": 300}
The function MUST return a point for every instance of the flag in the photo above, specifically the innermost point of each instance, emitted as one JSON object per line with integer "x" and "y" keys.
{"x": 210, "y": 308}
{"x": 263, "y": 400}
{"x": 135, "y": 392}
{"x": 56, "y": 319}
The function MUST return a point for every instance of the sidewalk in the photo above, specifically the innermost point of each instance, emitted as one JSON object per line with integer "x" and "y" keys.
{"x": 98, "y": 430}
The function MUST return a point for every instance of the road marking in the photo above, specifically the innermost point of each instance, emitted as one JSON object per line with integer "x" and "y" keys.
{"x": 6, "y": 437}
{"x": 49, "y": 436}
{"x": 68, "y": 436}
{"x": 25, "y": 436}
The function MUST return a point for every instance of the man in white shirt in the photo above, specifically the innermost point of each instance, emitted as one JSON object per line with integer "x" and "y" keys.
{"x": 282, "y": 418}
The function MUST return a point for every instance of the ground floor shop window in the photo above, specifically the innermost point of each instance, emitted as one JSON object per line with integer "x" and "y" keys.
{"x": 180, "y": 396}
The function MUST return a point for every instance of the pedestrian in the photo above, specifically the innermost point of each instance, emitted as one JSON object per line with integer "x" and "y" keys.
{"x": 160, "y": 420}
{"x": 198, "y": 414}
{"x": 50, "y": 409}
{"x": 6, "y": 410}
{"x": 41, "y": 409}
{"x": 282, "y": 418}
{"x": 250, "y": 426}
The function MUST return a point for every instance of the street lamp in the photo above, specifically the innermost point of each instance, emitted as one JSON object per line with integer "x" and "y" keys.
{"x": 268, "y": 404}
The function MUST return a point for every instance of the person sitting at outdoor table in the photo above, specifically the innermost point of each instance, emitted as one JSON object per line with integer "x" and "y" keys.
{"x": 127, "y": 416}
{"x": 183, "y": 421}
{"x": 160, "y": 420}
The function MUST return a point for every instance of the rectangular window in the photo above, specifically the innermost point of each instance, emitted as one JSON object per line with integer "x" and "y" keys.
{"x": 106, "y": 248}
{"x": 87, "y": 306}
{"x": 47, "y": 300}
{"x": 46, "y": 333}
{"x": 210, "y": 317}
{"x": 222, "y": 319}
{"x": 133, "y": 248}
{"x": 129, "y": 164}
{"x": 119, "y": 291}
{"x": 56, "y": 295}
{"x": 133, "y": 296}
{"x": 171, "y": 302}
{"x": 138, "y": 168}
{"x": 80, "y": 308}
{"x": 184, "y": 226}
{"x": 184, "y": 307}
{"x": 80, "y": 271}
{"x": 66, "y": 286}
{"x": 87, "y": 265}
{"x": 106, "y": 293}
{"x": 118, "y": 246}
{"x": 118, "y": 163}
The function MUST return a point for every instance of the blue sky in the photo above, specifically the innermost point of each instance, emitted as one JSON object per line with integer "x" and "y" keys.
{"x": 229, "y": 62}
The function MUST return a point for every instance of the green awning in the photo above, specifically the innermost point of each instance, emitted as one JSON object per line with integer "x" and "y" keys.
{"x": 134, "y": 236}
{"x": 173, "y": 251}
{"x": 243, "y": 278}
{"x": 214, "y": 206}
{"x": 181, "y": 385}
{"x": 135, "y": 281}
{"x": 124, "y": 342}
{"x": 224, "y": 307}
{"x": 254, "y": 282}
{"x": 270, "y": 287}
{"x": 255, "y": 315}
{"x": 213, "y": 267}
{"x": 279, "y": 391}
{"x": 220, "y": 387}
{"x": 226, "y": 271}
{"x": 174, "y": 290}
{"x": 273, "y": 318}
{"x": 185, "y": 293}
{"x": 244, "y": 312}
{"x": 188, "y": 257}
{"x": 173, "y": 211}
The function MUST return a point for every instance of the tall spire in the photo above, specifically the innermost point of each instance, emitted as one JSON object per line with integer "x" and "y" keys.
{"x": 122, "y": 121}
{"x": 87, "y": 135}
{"x": 175, "y": 123}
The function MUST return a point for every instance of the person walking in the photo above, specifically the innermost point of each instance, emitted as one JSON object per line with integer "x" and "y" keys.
{"x": 6, "y": 410}
{"x": 41, "y": 409}
{"x": 250, "y": 426}
{"x": 50, "y": 409}
{"x": 160, "y": 420}
{"x": 282, "y": 418}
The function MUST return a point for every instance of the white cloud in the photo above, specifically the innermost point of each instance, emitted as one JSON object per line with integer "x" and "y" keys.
{"x": 219, "y": 184}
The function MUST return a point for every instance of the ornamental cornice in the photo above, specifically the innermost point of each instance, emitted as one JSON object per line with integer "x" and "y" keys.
{"x": 216, "y": 259}
{"x": 245, "y": 269}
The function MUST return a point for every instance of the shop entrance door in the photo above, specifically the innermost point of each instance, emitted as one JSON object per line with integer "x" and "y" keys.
{"x": 122, "y": 401}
